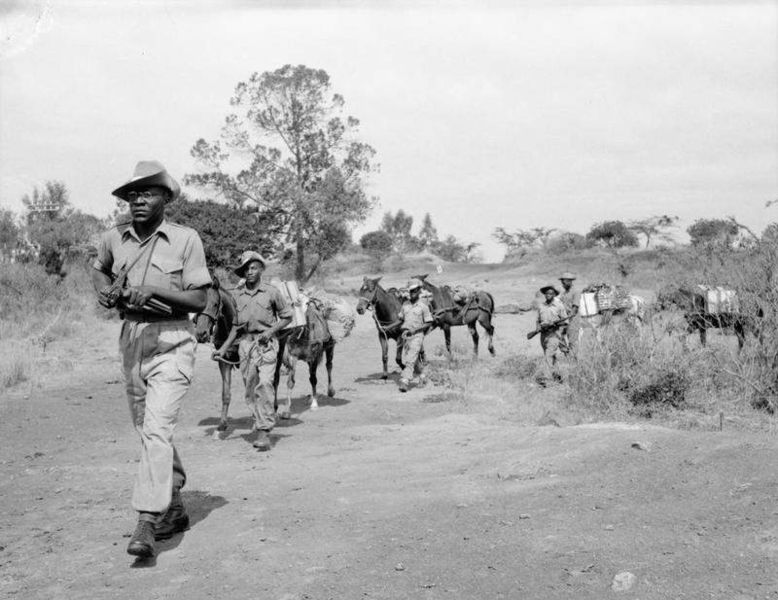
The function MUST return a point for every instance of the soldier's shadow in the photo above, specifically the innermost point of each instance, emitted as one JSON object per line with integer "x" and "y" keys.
{"x": 198, "y": 505}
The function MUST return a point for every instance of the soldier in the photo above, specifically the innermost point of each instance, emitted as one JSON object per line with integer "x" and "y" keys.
{"x": 571, "y": 298}
{"x": 552, "y": 317}
{"x": 154, "y": 272}
{"x": 262, "y": 313}
{"x": 416, "y": 320}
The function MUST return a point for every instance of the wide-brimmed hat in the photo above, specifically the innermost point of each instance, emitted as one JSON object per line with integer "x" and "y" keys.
{"x": 245, "y": 258}
{"x": 413, "y": 284}
{"x": 545, "y": 288}
{"x": 147, "y": 173}
{"x": 566, "y": 275}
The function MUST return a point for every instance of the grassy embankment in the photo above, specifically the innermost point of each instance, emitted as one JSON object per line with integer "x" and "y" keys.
{"x": 36, "y": 310}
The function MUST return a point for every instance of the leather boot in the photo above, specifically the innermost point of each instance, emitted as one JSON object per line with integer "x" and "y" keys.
{"x": 263, "y": 441}
{"x": 175, "y": 520}
{"x": 142, "y": 541}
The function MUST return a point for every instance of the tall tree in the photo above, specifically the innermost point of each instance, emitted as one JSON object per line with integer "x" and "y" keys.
{"x": 9, "y": 232}
{"x": 288, "y": 152}
{"x": 399, "y": 226}
{"x": 656, "y": 226}
{"x": 428, "y": 234}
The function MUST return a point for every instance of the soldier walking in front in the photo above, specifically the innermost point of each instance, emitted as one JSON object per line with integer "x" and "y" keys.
{"x": 154, "y": 272}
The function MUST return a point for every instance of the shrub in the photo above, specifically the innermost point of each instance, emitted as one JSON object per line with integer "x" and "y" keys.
{"x": 666, "y": 387}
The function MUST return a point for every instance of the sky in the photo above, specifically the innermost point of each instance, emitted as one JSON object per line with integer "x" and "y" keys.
{"x": 484, "y": 114}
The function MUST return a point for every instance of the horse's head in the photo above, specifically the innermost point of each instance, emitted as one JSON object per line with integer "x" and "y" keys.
{"x": 367, "y": 294}
{"x": 205, "y": 321}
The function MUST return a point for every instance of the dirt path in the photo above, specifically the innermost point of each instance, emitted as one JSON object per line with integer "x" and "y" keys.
{"x": 377, "y": 495}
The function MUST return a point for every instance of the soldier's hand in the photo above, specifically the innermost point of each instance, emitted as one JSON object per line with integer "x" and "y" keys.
{"x": 105, "y": 298}
{"x": 217, "y": 354}
{"x": 264, "y": 337}
{"x": 135, "y": 297}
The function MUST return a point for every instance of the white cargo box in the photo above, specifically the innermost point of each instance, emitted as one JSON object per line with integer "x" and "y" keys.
{"x": 588, "y": 304}
{"x": 298, "y": 302}
{"x": 719, "y": 300}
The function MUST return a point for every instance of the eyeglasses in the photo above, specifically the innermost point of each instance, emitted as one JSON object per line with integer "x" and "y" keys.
{"x": 147, "y": 195}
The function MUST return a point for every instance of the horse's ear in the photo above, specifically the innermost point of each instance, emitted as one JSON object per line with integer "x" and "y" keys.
{"x": 423, "y": 277}
{"x": 215, "y": 282}
{"x": 377, "y": 279}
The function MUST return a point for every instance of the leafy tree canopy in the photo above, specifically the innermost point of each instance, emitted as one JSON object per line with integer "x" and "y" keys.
{"x": 713, "y": 231}
{"x": 612, "y": 234}
{"x": 288, "y": 152}
{"x": 656, "y": 226}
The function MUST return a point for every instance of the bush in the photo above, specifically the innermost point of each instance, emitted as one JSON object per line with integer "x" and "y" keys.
{"x": 665, "y": 387}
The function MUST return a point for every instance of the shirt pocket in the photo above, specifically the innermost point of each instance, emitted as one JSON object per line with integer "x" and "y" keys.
{"x": 165, "y": 273}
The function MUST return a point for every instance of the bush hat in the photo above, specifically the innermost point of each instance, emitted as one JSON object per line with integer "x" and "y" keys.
{"x": 545, "y": 288}
{"x": 567, "y": 275}
{"x": 247, "y": 257}
{"x": 147, "y": 173}
{"x": 413, "y": 284}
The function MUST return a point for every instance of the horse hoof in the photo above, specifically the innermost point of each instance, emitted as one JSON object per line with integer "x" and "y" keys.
{"x": 314, "y": 404}
{"x": 385, "y": 376}
{"x": 222, "y": 426}
{"x": 331, "y": 392}
{"x": 285, "y": 415}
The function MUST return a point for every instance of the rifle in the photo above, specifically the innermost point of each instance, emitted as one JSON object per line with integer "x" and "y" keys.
{"x": 114, "y": 291}
{"x": 532, "y": 334}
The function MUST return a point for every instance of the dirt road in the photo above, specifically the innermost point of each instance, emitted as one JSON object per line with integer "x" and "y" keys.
{"x": 377, "y": 495}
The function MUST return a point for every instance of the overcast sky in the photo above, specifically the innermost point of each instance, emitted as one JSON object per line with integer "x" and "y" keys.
{"x": 512, "y": 114}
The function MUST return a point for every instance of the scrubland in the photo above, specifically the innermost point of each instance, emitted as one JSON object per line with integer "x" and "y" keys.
{"x": 654, "y": 371}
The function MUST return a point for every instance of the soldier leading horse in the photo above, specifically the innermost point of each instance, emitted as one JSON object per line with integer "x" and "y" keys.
{"x": 386, "y": 308}
{"x": 479, "y": 308}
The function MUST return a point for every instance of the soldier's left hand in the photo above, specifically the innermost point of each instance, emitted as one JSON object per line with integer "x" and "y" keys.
{"x": 136, "y": 296}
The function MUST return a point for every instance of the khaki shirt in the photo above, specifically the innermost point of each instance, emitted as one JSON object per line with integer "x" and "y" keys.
{"x": 415, "y": 316}
{"x": 550, "y": 314}
{"x": 570, "y": 298}
{"x": 260, "y": 308}
{"x": 173, "y": 257}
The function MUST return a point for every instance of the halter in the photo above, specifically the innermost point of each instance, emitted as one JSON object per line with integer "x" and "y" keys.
{"x": 370, "y": 305}
{"x": 217, "y": 310}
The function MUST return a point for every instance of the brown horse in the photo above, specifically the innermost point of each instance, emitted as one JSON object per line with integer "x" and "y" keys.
{"x": 385, "y": 305}
{"x": 448, "y": 313}
{"x": 308, "y": 343}
{"x": 214, "y": 324}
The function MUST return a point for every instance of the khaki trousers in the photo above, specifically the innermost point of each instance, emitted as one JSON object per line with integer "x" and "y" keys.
{"x": 411, "y": 349}
{"x": 158, "y": 362}
{"x": 258, "y": 366}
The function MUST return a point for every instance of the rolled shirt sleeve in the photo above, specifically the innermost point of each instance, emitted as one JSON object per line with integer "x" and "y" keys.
{"x": 195, "y": 273}
{"x": 282, "y": 308}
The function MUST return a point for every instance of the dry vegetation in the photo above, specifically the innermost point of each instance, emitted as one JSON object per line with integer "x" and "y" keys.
{"x": 626, "y": 373}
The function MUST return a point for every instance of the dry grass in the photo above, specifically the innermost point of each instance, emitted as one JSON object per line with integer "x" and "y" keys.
{"x": 37, "y": 310}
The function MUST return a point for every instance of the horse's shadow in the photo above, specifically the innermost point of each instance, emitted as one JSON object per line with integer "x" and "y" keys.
{"x": 377, "y": 378}
{"x": 198, "y": 505}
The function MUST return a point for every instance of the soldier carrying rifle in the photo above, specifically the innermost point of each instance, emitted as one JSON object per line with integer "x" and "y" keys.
{"x": 552, "y": 319}
{"x": 154, "y": 272}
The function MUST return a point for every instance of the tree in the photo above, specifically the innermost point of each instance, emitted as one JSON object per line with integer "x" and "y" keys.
{"x": 452, "y": 250}
{"x": 654, "y": 226}
{"x": 612, "y": 234}
{"x": 428, "y": 235}
{"x": 376, "y": 243}
{"x": 713, "y": 232}
{"x": 9, "y": 232}
{"x": 399, "y": 227}
{"x": 518, "y": 243}
{"x": 287, "y": 152}
{"x": 226, "y": 231}
{"x": 56, "y": 229}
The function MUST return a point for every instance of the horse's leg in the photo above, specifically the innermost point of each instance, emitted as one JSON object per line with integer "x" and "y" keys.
{"x": 384, "y": 354}
{"x": 447, "y": 337}
{"x": 226, "y": 373}
{"x": 329, "y": 353}
{"x": 291, "y": 368}
{"x": 474, "y": 335}
{"x": 740, "y": 332}
{"x": 485, "y": 319}
{"x": 703, "y": 333}
{"x": 313, "y": 365}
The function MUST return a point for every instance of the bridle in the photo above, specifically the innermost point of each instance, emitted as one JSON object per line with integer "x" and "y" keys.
{"x": 370, "y": 305}
{"x": 217, "y": 309}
